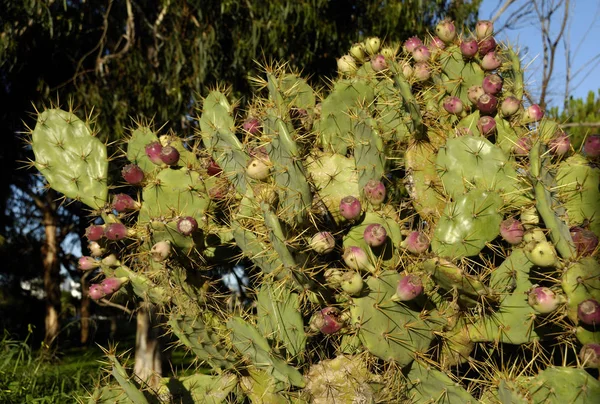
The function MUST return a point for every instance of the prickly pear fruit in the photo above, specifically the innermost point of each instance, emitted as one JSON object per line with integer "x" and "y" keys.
{"x": 153, "y": 150}
{"x": 490, "y": 61}
{"x": 378, "y": 63}
{"x": 327, "y": 321}
{"x": 375, "y": 235}
{"x": 111, "y": 285}
{"x": 486, "y": 45}
{"x": 585, "y": 240}
{"x": 111, "y": 260}
{"x": 588, "y": 312}
{"x": 350, "y": 208}
{"x": 187, "y": 225}
{"x": 591, "y": 147}
{"x": 510, "y": 105}
{"x": 512, "y": 231}
{"x": 409, "y": 287}
{"x": 487, "y": 126}
{"x": 94, "y": 232}
{"x": 258, "y": 170}
{"x": 352, "y": 283}
{"x": 453, "y": 105}
{"x": 484, "y": 29}
{"x": 560, "y": 144}
{"x": 124, "y": 202}
{"x": 96, "y": 249}
{"x": 412, "y": 43}
{"x": 421, "y": 54}
{"x": 356, "y": 258}
{"x": 132, "y": 174}
{"x": 543, "y": 300}
{"x": 115, "y": 231}
{"x": 492, "y": 84}
{"x": 487, "y": 104}
{"x": 416, "y": 242}
{"x": 533, "y": 113}
{"x": 95, "y": 292}
{"x": 87, "y": 263}
{"x": 322, "y": 242}
{"x": 468, "y": 48}
{"x": 372, "y": 45}
{"x": 446, "y": 31}
{"x": 542, "y": 254}
{"x": 589, "y": 355}
{"x": 169, "y": 155}
{"x": 375, "y": 192}
{"x": 346, "y": 64}
{"x": 161, "y": 250}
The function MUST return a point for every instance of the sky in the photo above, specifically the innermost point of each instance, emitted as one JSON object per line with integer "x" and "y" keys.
{"x": 582, "y": 33}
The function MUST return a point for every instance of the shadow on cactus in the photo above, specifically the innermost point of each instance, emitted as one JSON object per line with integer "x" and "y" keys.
{"x": 415, "y": 222}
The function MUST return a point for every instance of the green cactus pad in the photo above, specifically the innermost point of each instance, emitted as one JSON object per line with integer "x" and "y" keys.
{"x": 142, "y": 286}
{"x": 136, "y": 148}
{"x": 71, "y": 158}
{"x": 468, "y": 224}
{"x": 426, "y": 385}
{"x": 279, "y": 318}
{"x": 261, "y": 387}
{"x": 577, "y": 183}
{"x": 335, "y": 177}
{"x": 513, "y": 321}
{"x": 130, "y": 388}
{"x": 201, "y": 388}
{"x": 369, "y": 154}
{"x": 218, "y": 136}
{"x": 470, "y": 162}
{"x": 458, "y": 75}
{"x": 255, "y": 347}
{"x": 581, "y": 281}
{"x": 391, "y": 331}
{"x": 175, "y": 193}
{"x": 560, "y": 385}
{"x": 450, "y": 277}
{"x": 422, "y": 181}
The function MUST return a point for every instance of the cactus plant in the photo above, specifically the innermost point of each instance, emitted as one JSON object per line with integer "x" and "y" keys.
{"x": 378, "y": 226}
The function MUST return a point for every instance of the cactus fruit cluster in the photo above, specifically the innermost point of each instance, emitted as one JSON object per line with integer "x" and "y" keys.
{"x": 414, "y": 233}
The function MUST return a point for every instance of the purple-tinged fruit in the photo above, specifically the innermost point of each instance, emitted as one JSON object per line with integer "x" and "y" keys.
{"x": 487, "y": 126}
{"x": 483, "y": 29}
{"x": 468, "y": 48}
{"x": 422, "y": 71}
{"x": 486, "y": 46}
{"x": 115, "y": 231}
{"x": 421, "y": 54}
{"x": 327, "y": 321}
{"x": 187, "y": 225}
{"x": 378, "y": 63}
{"x": 212, "y": 168}
{"x": 153, "y": 152}
{"x": 407, "y": 70}
{"x": 124, "y": 202}
{"x": 94, "y": 232}
{"x": 169, "y": 155}
{"x": 352, "y": 283}
{"x": 356, "y": 258}
{"x": 375, "y": 235}
{"x": 446, "y": 31}
{"x": 409, "y": 287}
{"x": 87, "y": 263}
{"x": 95, "y": 292}
{"x": 533, "y": 113}
{"x": 453, "y": 105}
{"x": 510, "y": 106}
{"x": 487, "y": 104}
{"x": 490, "y": 61}
{"x": 492, "y": 84}
{"x": 375, "y": 192}
{"x": 474, "y": 92}
{"x": 372, "y": 45}
{"x": 161, "y": 251}
{"x": 589, "y": 355}
{"x": 522, "y": 147}
{"x": 346, "y": 65}
{"x": 588, "y": 312}
{"x": 132, "y": 174}
{"x": 412, "y": 43}
{"x": 322, "y": 242}
{"x": 560, "y": 144}
{"x": 543, "y": 300}
{"x": 591, "y": 147}
{"x": 436, "y": 43}
{"x": 512, "y": 231}
{"x": 111, "y": 285}
{"x": 251, "y": 126}
{"x": 416, "y": 242}
{"x": 350, "y": 208}
{"x": 585, "y": 240}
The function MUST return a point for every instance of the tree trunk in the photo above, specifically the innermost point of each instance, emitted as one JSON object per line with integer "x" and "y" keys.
{"x": 85, "y": 310}
{"x": 147, "y": 347}
{"x": 51, "y": 266}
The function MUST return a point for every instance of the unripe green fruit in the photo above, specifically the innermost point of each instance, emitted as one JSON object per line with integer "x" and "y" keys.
{"x": 258, "y": 170}
{"x": 346, "y": 65}
{"x": 542, "y": 254}
{"x": 352, "y": 283}
{"x": 357, "y": 51}
{"x": 372, "y": 45}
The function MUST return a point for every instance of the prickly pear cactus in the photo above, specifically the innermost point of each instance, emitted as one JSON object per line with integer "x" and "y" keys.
{"x": 414, "y": 233}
